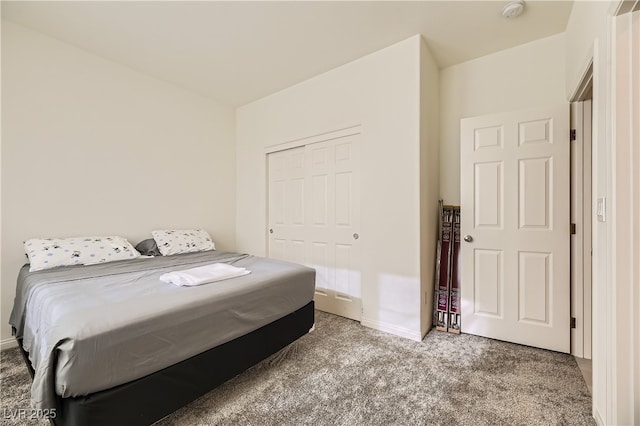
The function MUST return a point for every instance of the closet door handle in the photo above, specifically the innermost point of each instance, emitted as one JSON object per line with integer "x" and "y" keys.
{"x": 356, "y": 236}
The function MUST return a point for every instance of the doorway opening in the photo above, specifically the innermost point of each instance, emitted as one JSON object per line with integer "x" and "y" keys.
{"x": 581, "y": 225}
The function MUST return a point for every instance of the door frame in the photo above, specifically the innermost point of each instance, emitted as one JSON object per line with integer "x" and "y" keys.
{"x": 581, "y": 216}
{"x": 622, "y": 316}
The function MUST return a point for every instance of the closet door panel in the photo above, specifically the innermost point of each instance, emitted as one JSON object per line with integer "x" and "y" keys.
{"x": 314, "y": 213}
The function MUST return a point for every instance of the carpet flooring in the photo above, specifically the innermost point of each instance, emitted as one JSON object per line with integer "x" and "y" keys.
{"x": 346, "y": 374}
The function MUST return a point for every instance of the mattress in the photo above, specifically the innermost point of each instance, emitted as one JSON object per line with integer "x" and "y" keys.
{"x": 90, "y": 328}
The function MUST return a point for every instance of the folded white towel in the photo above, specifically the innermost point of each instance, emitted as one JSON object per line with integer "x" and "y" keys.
{"x": 203, "y": 274}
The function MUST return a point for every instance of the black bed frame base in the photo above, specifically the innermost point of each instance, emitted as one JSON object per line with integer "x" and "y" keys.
{"x": 149, "y": 399}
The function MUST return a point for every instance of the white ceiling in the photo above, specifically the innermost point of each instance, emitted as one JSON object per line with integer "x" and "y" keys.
{"x": 240, "y": 51}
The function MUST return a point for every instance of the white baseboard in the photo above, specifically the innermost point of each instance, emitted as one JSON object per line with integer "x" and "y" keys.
{"x": 597, "y": 417}
{"x": 8, "y": 344}
{"x": 392, "y": 329}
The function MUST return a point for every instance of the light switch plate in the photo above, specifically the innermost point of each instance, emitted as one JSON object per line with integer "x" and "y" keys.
{"x": 601, "y": 210}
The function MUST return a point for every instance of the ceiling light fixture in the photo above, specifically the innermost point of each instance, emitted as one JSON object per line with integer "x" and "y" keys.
{"x": 513, "y": 9}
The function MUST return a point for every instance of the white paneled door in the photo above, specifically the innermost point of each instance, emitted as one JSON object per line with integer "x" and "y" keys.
{"x": 515, "y": 225}
{"x": 314, "y": 218}
{"x": 287, "y": 205}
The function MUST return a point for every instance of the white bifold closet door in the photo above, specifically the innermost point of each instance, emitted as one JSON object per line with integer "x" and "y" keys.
{"x": 314, "y": 211}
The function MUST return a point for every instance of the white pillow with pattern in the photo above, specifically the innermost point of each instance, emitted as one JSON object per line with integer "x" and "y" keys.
{"x": 46, "y": 253}
{"x": 176, "y": 241}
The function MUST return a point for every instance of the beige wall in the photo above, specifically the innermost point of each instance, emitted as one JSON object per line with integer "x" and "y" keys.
{"x": 528, "y": 76}
{"x": 90, "y": 147}
{"x": 380, "y": 92}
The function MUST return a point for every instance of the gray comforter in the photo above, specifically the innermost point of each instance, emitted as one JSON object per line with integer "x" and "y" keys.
{"x": 89, "y": 328}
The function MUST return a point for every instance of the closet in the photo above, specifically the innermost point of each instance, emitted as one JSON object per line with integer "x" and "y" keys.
{"x": 314, "y": 218}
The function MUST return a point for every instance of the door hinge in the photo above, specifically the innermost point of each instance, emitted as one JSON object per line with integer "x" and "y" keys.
{"x": 572, "y": 134}
{"x": 572, "y": 227}
{"x": 573, "y": 322}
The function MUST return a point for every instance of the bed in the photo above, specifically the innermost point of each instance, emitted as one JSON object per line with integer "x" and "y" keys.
{"x": 112, "y": 344}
